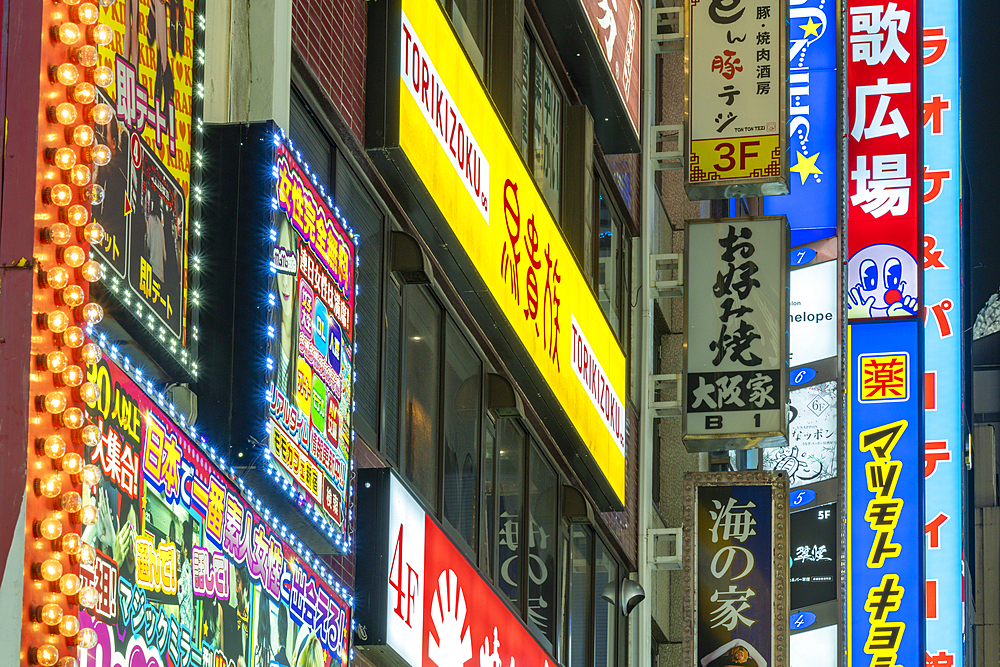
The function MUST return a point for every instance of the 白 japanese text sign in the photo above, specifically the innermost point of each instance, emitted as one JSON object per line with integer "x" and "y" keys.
{"x": 736, "y": 566}
{"x": 617, "y": 27}
{"x": 883, "y": 159}
{"x": 885, "y": 470}
{"x": 736, "y": 314}
{"x": 736, "y": 98}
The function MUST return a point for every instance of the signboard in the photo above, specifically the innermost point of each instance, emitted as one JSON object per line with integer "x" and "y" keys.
{"x": 736, "y": 384}
{"x": 815, "y": 570}
{"x": 884, "y": 160}
{"x": 187, "y": 569}
{"x": 147, "y": 206}
{"x": 735, "y": 527}
{"x": 618, "y": 28}
{"x": 811, "y": 205}
{"x": 455, "y": 154}
{"x": 736, "y": 102}
{"x": 885, "y": 470}
{"x": 942, "y": 261}
{"x": 427, "y": 604}
{"x": 311, "y": 384}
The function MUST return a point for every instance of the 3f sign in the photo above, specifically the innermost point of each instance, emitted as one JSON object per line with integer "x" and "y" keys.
{"x": 406, "y": 587}
{"x": 726, "y": 151}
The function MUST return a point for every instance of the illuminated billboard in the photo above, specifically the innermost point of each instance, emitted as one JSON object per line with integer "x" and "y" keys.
{"x": 186, "y": 569}
{"x": 151, "y": 132}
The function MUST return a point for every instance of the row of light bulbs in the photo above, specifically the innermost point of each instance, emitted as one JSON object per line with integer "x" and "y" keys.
{"x": 76, "y": 153}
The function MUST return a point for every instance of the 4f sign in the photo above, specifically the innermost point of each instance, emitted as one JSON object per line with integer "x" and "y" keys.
{"x": 404, "y": 576}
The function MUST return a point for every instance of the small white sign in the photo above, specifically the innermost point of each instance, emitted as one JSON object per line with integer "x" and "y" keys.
{"x": 404, "y": 577}
{"x": 595, "y": 381}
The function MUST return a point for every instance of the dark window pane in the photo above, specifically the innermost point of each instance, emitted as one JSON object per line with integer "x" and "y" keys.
{"x": 310, "y": 140}
{"x": 488, "y": 507}
{"x": 510, "y": 486}
{"x": 609, "y": 262}
{"x": 580, "y": 601}
{"x": 542, "y": 507}
{"x": 526, "y": 48}
{"x": 421, "y": 392}
{"x": 462, "y": 398}
{"x": 547, "y": 132}
{"x": 605, "y": 572}
{"x": 393, "y": 315}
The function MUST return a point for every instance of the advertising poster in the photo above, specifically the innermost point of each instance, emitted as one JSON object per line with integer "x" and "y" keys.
{"x": 942, "y": 262}
{"x": 885, "y": 470}
{"x": 310, "y": 391}
{"x": 735, "y": 550}
{"x": 147, "y": 183}
{"x": 188, "y": 573}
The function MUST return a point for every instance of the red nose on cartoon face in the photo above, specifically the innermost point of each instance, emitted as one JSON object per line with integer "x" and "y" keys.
{"x": 892, "y": 296}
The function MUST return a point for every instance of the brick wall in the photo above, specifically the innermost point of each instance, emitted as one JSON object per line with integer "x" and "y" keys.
{"x": 623, "y": 524}
{"x": 331, "y": 37}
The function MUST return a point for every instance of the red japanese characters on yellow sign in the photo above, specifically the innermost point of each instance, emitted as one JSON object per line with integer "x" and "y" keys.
{"x": 883, "y": 378}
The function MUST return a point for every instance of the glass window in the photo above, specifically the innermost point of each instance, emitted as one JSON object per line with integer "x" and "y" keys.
{"x": 580, "y": 596}
{"x": 547, "y": 123}
{"x": 526, "y": 48}
{"x": 390, "y": 374}
{"x": 609, "y": 260}
{"x": 469, "y": 19}
{"x": 421, "y": 391}
{"x": 462, "y": 406}
{"x": 488, "y": 506}
{"x": 542, "y": 509}
{"x": 605, "y": 572}
{"x": 510, "y": 486}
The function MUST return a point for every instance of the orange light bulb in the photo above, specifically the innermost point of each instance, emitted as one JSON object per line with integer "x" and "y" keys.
{"x": 89, "y": 353}
{"x": 72, "y": 337}
{"x": 75, "y": 215}
{"x": 54, "y": 402}
{"x": 54, "y": 446}
{"x": 102, "y": 76}
{"x": 99, "y": 154}
{"x": 93, "y": 194}
{"x": 45, "y": 655}
{"x": 49, "y": 528}
{"x": 73, "y": 255}
{"x": 89, "y": 597}
{"x": 69, "y": 584}
{"x": 92, "y": 271}
{"x": 101, "y": 114}
{"x": 71, "y": 501}
{"x": 71, "y": 543}
{"x": 59, "y": 194}
{"x": 59, "y": 234}
{"x": 64, "y": 113}
{"x": 87, "y": 555}
{"x": 64, "y": 157}
{"x": 89, "y": 435}
{"x": 72, "y": 296}
{"x": 57, "y": 277}
{"x": 67, "y": 661}
{"x": 50, "y": 570}
{"x": 49, "y": 486}
{"x": 86, "y": 13}
{"x": 51, "y": 614}
{"x": 80, "y": 175}
{"x": 93, "y": 233}
{"x": 83, "y": 135}
{"x": 87, "y": 638}
{"x": 83, "y": 93}
{"x": 72, "y": 462}
{"x": 101, "y": 34}
{"x": 88, "y": 515}
{"x": 87, "y": 392}
{"x": 69, "y": 626}
{"x": 72, "y": 376}
{"x": 56, "y": 362}
{"x": 85, "y": 56}
{"x": 90, "y": 475}
{"x": 56, "y": 321}
{"x": 68, "y": 33}
{"x": 71, "y": 418}
{"x": 67, "y": 74}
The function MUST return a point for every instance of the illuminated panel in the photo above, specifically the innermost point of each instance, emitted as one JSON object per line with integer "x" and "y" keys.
{"x": 884, "y": 473}
{"x": 883, "y": 160}
{"x": 464, "y": 157}
{"x": 177, "y": 540}
{"x": 311, "y": 357}
{"x": 153, "y": 136}
{"x": 942, "y": 339}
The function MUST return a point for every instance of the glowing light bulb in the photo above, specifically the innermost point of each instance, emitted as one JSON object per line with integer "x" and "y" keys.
{"x": 50, "y": 528}
{"x": 83, "y": 135}
{"x": 72, "y": 376}
{"x": 94, "y": 194}
{"x": 92, "y": 271}
{"x": 69, "y": 584}
{"x": 54, "y": 446}
{"x": 87, "y": 555}
{"x": 71, "y": 463}
{"x": 101, "y": 114}
{"x": 49, "y": 486}
{"x": 91, "y": 312}
{"x": 72, "y": 337}
{"x": 50, "y": 570}
{"x": 89, "y": 597}
{"x": 80, "y": 175}
{"x": 88, "y": 515}
{"x": 102, "y": 76}
{"x": 57, "y": 277}
{"x": 69, "y": 626}
{"x": 68, "y": 33}
{"x": 59, "y": 194}
{"x": 56, "y": 362}
{"x": 59, "y": 234}
{"x": 54, "y": 402}
{"x": 90, "y": 475}
{"x": 93, "y": 232}
{"x": 86, "y": 13}
{"x": 99, "y": 154}
{"x": 106, "y": 3}
{"x": 72, "y": 296}
{"x": 67, "y": 74}
{"x": 83, "y": 93}
{"x": 87, "y": 638}
{"x": 87, "y": 392}
{"x": 89, "y": 353}
{"x": 71, "y": 501}
{"x": 45, "y": 655}
{"x": 101, "y": 34}
{"x": 75, "y": 215}
{"x": 67, "y": 661}
{"x": 64, "y": 113}
{"x": 64, "y": 157}
{"x": 51, "y": 614}
{"x": 89, "y": 435}
{"x": 56, "y": 321}
{"x": 73, "y": 255}
{"x": 71, "y": 418}
{"x": 86, "y": 56}
{"x": 71, "y": 543}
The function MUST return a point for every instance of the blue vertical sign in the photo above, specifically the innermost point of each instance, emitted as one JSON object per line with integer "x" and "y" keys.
{"x": 942, "y": 336}
{"x": 883, "y": 504}
{"x": 811, "y": 206}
